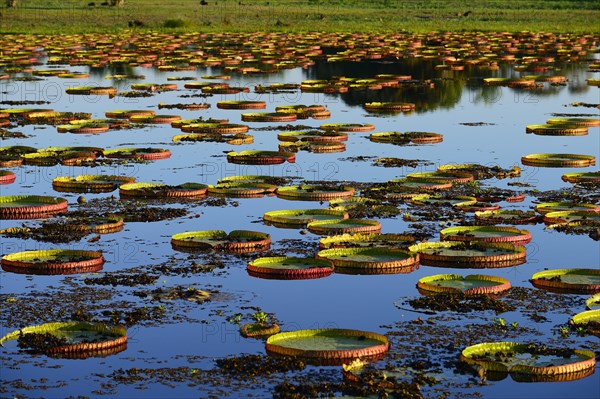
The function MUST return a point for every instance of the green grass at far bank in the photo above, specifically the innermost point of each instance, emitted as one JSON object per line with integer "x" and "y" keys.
{"x": 82, "y": 16}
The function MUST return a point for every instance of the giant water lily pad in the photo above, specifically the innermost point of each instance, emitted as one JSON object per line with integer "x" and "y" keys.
{"x": 328, "y": 346}
{"x": 450, "y": 176}
{"x": 30, "y": 206}
{"x": 557, "y": 130}
{"x": 559, "y": 217}
{"x": 341, "y": 226}
{"x": 406, "y": 138}
{"x": 235, "y": 241}
{"x": 147, "y": 154}
{"x": 7, "y": 177}
{"x": 588, "y": 321}
{"x": 461, "y": 200}
{"x": 530, "y": 362}
{"x": 313, "y": 136}
{"x": 72, "y": 339}
{"x": 90, "y": 183}
{"x": 558, "y": 160}
{"x": 258, "y": 157}
{"x": 580, "y": 281}
{"x": 546, "y": 207}
{"x": 53, "y": 261}
{"x": 374, "y": 259}
{"x": 301, "y": 217}
{"x": 289, "y": 268}
{"x": 509, "y": 216}
{"x": 242, "y": 189}
{"x": 159, "y": 190}
{"x": 584, "y": 177}
{"x": 366, "y": 240}
{"x": 470, "y": 254}
{"x": 473, "y": 284}
{"x": 486, "y": 233}
{"x": 593, "y": 302}
{"x": 314, "y": 193}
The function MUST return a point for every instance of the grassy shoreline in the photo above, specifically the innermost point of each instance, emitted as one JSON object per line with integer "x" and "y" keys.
{"x": 83, "y": 16}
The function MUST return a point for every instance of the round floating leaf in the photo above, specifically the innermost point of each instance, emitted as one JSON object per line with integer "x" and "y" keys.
{"x": 366, "y": 240}
{"x": 80, "y": 339}
{"x": 90, "y": 183}
{"x": 530, "y": 362}
{"x": 487, "y": 234}
{"x": 242, "y": 189}
{"x": 30, "y": 206}
{"x": 314, "y": 193}
{"x": 257, "y": 157}
{"x": 579, "y": 281}
{"x": 546, "y": 207}
{"x": 138, "y": 153}
{"x": 236, "y": 241}
{"x": 301, "y": 217}
{"x": 585, "y": 177}
{"x": 290, "y": 268}
{"x": 340, "y": 226}
{"x": 158, "y": 190}
{"x": 55, "y": 261}
{"x": 558, "y": 160}
{"x": 328, "y": 346}
{"x": 473, "y": 284}
{"x": 370, "y": 258}
{"x": 471, "y": 254}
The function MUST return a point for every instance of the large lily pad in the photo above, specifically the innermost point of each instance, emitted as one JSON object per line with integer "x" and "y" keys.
{"x": 580, "y": 281}
{"x": 530, "y": 362}
{"x": 76, "y": 339}
{"x": 328, "y": 346}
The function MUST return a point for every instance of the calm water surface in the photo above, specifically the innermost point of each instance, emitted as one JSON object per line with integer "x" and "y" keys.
{"x": 346, "y": 301}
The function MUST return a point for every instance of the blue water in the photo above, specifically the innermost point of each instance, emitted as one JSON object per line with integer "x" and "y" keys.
{"x": 345, "y": 301}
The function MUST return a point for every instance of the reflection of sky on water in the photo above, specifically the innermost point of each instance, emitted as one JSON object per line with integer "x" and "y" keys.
{"x": 364, "y": 302}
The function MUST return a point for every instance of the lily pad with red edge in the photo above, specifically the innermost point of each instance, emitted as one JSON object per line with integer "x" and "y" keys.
{"x": 301, "y": 217}
{"x": 328, "y": 346}
{"x": 348, "y": 127}
{"x": 507, "y": 216}
{"x": 371, "y": 259}
{"x": 469, "y": 254}
{"x": 529, "y": 362}
{"x": 593, "y": 302}
{"x": 577, "y": 281}
{"x": 558, "y": 217}
{"x": 486, "y": 234}
{"x": 54, "y": 261}
{"x": 473, "y": 284}
{"x": 341, "y": 226}
{"x": 313, "y": 136}
{"x": 238, "y": 241}
{"x": 7, "y": 177}
{"x": 314, "y": 193}
{"x": 406, "y": 137}
{"x": 367, "y": 240}
{"x": 30, "y": 206}
{"x": 289, "y": 268}
{"x": 258, "y": 157}
{"x": 257, "y": 330}
{"x": 77, "y": 340}
{"x": 558, "y": 160}
{"x": 546, "y": 207}
{"x": 159, "y": 190}
{"x": 588, "y": 321}
{"x": 585, "y": 177}
{"x": 90, "y": 183}
{"x": 147, "y": 154}
{"x": 242, "y": 189}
